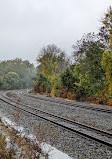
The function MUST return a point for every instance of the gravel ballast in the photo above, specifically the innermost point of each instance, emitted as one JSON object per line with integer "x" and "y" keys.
{"x": 70, "y": 143}
{"x": 101, "y": 120}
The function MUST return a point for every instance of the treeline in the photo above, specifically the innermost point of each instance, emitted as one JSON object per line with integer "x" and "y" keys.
{"x": 88, "y": 76}
{"x": 16, "y": 74}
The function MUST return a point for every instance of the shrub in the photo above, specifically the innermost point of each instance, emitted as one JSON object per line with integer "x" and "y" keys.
{"x": 63, "y": 92}
{"x": 68, "y": 80}
{"x": 110, "y": 102}
{"x": 41, "y": 83}
{"x": 102, "y": 98}
{"x": 52, "y": 94}
{"x": 81, "y": 93}
{"x": 42, "y": 89}
{"x": 92, "y": 98}
{"x": 70, "y": 95}
{"x": 64, "y": 95}
{"x": 57, "y": 92}
{"x": 48, "y": 90}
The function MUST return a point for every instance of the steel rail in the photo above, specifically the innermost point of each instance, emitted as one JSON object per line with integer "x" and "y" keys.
{"x": 84, "y": 130}
{"x": 69, "y": 104}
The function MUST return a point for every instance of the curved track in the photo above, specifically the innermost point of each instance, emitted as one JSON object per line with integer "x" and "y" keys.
{"x": 76, "y": 127}
{"x": 68, "y": 103}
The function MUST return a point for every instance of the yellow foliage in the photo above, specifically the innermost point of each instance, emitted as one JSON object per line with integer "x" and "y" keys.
{"x": 110, "y": 102}
{"x": 35, "y": 83}
{"x": 52, "y": 94}
{"x": 5, "y": 153}
{"x": 107, "y": 65}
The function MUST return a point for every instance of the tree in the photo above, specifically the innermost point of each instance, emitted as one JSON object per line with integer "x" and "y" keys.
{"x": 106, "y": 29}
{"x": 41, "y": 83}
{"x": 106, "y": 34}
{"x": 88, "y": 53}
{"x": 25, "y": 70}
{"x": 107, "y": 66}
{"x": 11, "y": 81}
{"x": 85, "y": 44}
{"x": 52, "y": 61}
{"x": 68, "y": 80}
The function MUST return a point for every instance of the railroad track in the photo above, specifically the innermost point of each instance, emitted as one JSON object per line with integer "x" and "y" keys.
{"x": 68, "y": 103}
{"x": 76, "y": 127}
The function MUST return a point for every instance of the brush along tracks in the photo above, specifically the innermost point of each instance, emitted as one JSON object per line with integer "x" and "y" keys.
{"x": 98, "y": 135}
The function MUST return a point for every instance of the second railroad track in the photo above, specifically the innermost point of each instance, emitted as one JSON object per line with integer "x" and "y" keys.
{"x": 95, "y": 134}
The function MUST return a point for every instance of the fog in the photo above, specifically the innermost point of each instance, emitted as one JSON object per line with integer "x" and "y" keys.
{"x": 28, "y": 25}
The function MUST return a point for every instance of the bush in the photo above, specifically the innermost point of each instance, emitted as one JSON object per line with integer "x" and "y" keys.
{"x": 41, "y": 83}
{"x": 91, "y": 98}
{"x": 68, "y": 80}
{"x": 70, "y": 95}
{"x": 64, "y": 95}
{"x": 110, "y": 102}
{"x": 63, "y": 92}
{"x": 48, "y": 90}
{"x": 102, "y": 98}
{"x": 81, "y": 93}
{"x": 52, "y": 94}
{"x": 55, "y": 93}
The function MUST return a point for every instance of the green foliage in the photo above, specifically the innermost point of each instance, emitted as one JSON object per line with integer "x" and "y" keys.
{"x": 41, "y": 83}
{"x": 106, "y": 29}
{"x": 52, "y": 62}
{"x": 42, "y": 80}
{"x": 106, "y": 33}
{"x": 68, "y": 80}
{"x": 16, "y": 74}
{"x": 55, "y": 81}
{"x": 11, "y": 81}
{"x": 88, "y": 68}
{"x": 86, "y": 76}
{"x": 107, "y": 66}
{"x": 49, "y": 66}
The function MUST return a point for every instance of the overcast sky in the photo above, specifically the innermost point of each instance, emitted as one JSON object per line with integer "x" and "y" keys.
{"x": 28, "y": 25}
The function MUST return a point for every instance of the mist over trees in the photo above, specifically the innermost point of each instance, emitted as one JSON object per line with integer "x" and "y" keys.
{"x": 88, "y": 75}
{"x": 16, "y": 74}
